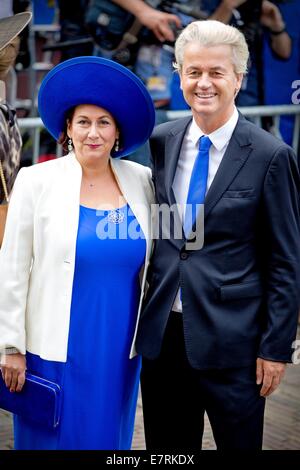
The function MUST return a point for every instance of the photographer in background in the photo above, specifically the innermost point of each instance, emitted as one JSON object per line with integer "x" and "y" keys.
{"x": 150, "y": 50}
{"x": 153, "y": 61}
{"x": 10, "y": 136}
{"x": 280, "y": 41}
{"x": 71, "y": 19}
{"x": 23, "y": 58}
{"x": 140, "y": 35}
{"x": 253, "y": 18}
{"x": 257, "y": 20}
{"x": 159, "y": 22}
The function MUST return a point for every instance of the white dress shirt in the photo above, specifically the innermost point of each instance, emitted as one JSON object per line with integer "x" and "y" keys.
{"x": 188, "y": 153}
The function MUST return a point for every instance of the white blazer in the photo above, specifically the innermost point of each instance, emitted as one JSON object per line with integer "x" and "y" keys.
{"x": 37, "y": 258}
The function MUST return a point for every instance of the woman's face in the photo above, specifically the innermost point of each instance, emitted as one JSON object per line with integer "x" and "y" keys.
{"x": 93, "y": 131}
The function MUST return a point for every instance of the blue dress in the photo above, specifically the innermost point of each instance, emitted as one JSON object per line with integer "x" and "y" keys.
{"x": 99, "y": 381}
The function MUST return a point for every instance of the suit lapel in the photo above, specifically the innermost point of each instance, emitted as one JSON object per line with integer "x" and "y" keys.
{"x": 237, "y": 152}
{"x": 173, "y": 145}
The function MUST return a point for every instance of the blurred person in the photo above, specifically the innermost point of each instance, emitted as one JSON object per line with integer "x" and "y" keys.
{"x": 6, "y": 8}
{"x": 14, "y": 52}
{"x": 141, "y": 35}
{"x": 159, "y": 22}
{"x": 250, "y": 18}
{"x": 220, "y": 315}
{"x": 10, "y": 137}
{"x": 280, "y": 41}
{"x": 23, "y": 59}
{"x": 266, "y": 11}
{"x": 281, "y": 90}
{"x": 258, "y": 20}
{"x": 145, "y": 52}
{"x": 76, "y": 249}
{"x": 71, "y": 19}
{"x": 132, "y": 33}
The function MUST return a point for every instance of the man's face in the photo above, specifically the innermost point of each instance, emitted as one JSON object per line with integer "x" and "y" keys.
{"x": 209, "y": 82}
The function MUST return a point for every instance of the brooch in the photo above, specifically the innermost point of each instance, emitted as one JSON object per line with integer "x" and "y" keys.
{"x": 116, "y": 216}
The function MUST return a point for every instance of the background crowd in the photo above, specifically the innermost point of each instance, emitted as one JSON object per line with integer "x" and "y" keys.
{"x": 140, "y": 35}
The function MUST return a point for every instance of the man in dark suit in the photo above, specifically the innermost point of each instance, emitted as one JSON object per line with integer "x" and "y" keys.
{"x": 219, "y": 320}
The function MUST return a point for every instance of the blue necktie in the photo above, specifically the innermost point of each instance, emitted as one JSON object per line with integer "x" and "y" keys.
{"x": 198, "y": 183}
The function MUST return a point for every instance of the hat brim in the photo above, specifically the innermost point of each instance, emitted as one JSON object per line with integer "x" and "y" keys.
{"x": 104, "y": 83}
{"x": 11, "y": 26}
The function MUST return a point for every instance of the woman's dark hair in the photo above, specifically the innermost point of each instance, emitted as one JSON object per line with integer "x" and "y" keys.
{"x": 63, "y": 138}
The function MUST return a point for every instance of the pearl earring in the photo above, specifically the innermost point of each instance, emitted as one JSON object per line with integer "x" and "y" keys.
{"x": 117, "y": 145}
{"x": 70, "y": 145}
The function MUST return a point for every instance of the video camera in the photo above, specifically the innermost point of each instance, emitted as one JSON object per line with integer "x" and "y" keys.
{"x": 246, "y": 18}
{"x": 119, "y": 34}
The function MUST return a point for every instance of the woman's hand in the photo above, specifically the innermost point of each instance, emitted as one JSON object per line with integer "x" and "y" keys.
{"x": 13, "y": 368}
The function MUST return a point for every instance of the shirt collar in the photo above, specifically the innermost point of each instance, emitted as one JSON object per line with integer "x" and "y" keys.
{"x": 220, "y": 137}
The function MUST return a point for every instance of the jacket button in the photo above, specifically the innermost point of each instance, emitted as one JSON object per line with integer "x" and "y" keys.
{"x": 184, "y": 255}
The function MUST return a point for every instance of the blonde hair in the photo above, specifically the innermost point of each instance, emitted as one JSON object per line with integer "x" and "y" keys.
{"x": 213, "y": 33}
{"x": 8, "y": 56}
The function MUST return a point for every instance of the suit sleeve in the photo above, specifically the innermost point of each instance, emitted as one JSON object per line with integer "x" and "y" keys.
{"x": 282, "y": 226}
{"x": 15, "y": 263}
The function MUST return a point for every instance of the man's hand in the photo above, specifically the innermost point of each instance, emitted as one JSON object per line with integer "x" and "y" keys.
{"x": 271, "y": 17}
{"x": 13, "y": 368}
{"x": 269, "y": 374}
{"x": 233, "y": 3}
{"x": 160, "y": 23}
{"x": 224, "y": 11}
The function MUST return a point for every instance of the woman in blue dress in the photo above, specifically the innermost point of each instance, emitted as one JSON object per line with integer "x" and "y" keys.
{"x": 75, "y": 256}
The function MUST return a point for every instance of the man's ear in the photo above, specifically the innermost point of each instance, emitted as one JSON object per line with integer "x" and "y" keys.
{"x": 180, "y": 77}
{"x": 239, "y": 77}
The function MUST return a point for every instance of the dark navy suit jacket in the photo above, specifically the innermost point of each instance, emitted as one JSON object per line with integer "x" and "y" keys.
{"x": 240, "y": 292}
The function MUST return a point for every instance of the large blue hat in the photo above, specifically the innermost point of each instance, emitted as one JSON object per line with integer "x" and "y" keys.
{"x": 102, "y": 82}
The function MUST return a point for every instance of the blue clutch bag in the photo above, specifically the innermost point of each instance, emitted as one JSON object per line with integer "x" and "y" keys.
{"x": 39, "y": 400}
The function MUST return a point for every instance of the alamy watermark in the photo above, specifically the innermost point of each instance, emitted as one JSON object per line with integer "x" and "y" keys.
{"x": 296, "y": 94}
{"x": 163, "y": 222}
